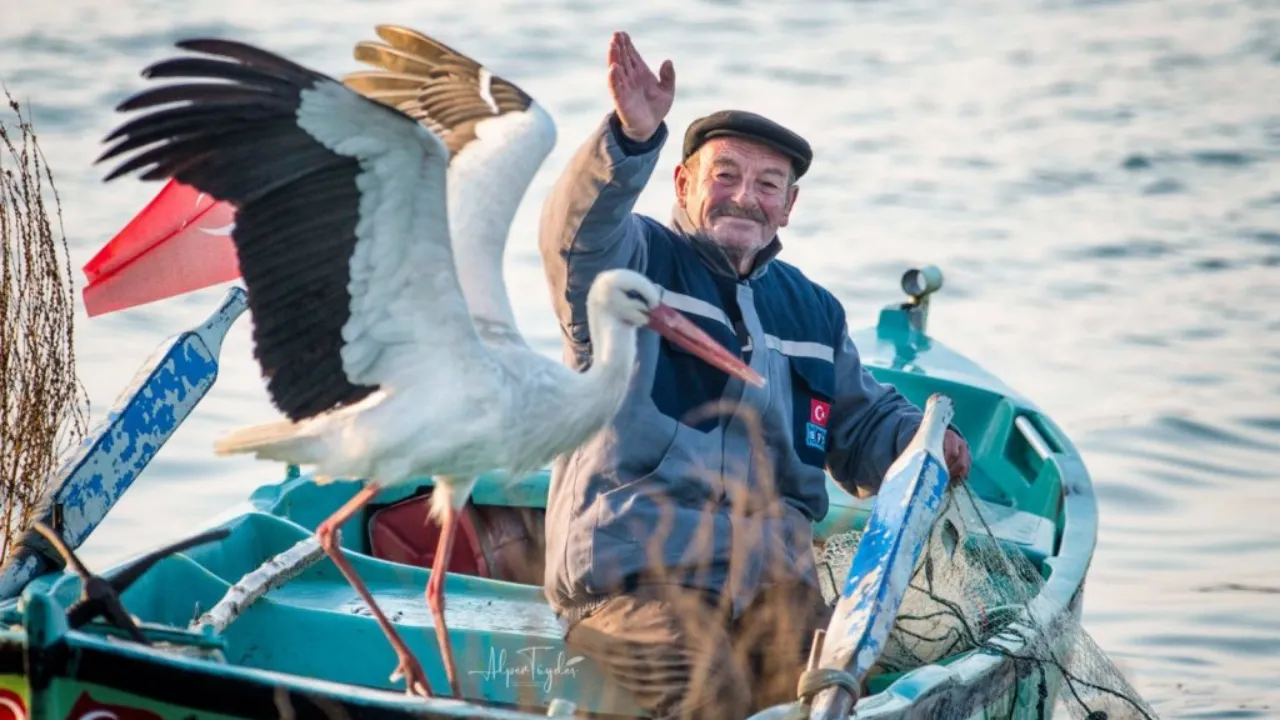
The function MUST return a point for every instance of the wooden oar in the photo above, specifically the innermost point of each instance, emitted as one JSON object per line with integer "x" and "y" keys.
{"x": 164, "y": 392}
{"x": 897, "y": 531}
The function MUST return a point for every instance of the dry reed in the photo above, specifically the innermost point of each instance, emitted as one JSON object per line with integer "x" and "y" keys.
{"x": 43, "y": 406}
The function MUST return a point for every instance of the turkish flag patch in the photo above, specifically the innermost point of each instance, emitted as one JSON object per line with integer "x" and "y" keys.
{"x": 819, "y": 412}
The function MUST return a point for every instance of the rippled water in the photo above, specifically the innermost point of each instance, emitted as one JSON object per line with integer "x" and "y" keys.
{"x": 1098, "y": 180}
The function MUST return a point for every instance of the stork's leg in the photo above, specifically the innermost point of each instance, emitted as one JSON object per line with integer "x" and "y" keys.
{"x": 435, "y": 592}
{"x": 327, "y": 534}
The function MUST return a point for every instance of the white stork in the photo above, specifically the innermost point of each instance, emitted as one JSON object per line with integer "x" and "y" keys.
{"x": 384, "y": 368}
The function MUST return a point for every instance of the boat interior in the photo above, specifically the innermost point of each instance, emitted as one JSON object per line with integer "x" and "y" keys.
{"x": 507, "y": 642}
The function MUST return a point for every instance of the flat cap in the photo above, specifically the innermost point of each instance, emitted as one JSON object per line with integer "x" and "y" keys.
{"x": 743, "y": 124}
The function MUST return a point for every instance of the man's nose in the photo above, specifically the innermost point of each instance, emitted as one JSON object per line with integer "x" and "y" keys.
{"x": 744, "y": 194}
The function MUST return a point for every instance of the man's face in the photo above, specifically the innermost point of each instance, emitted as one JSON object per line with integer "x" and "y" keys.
{"x": 739, "y": 193}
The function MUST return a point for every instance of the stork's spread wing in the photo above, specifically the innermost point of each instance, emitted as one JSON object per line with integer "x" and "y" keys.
{"x": 340, "y": 222}
{"x": 497, "y": 137}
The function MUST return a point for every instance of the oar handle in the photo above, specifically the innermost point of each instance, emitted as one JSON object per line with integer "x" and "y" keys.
{"x": 938, "y": 413}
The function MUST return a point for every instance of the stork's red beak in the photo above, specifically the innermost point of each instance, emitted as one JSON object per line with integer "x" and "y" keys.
{"x": 673, "y": 326}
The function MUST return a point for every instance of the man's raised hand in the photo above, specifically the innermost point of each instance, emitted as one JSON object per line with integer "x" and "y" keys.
{"x": 640, "y": 98}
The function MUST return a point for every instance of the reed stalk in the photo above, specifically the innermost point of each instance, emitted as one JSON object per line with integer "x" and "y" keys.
{"x": 43, "y": 406}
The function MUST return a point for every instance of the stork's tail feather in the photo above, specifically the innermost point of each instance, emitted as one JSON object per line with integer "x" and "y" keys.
{"x": 275, "y": 441}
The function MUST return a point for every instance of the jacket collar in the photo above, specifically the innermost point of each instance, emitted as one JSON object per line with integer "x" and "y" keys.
{"x": 713, "y": 256}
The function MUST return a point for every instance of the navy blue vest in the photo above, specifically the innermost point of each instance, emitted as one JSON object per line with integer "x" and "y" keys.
{"x": 793, "y": 312}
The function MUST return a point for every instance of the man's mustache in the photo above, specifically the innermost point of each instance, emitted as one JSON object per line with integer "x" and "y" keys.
{"x": 732, "y": 209}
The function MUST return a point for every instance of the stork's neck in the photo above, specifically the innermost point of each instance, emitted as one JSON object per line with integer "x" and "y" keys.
{"x": 587, "y": 400}
{"x": 613, "y": 354}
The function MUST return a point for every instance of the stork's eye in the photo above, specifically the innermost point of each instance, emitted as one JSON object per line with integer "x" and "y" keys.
{"x": 635, "y": 295}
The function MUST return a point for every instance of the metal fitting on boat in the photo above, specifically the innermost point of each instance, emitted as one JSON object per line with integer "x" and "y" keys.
{"x": 918, "y": 283}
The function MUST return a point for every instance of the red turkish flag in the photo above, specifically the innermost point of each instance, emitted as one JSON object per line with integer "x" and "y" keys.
{"x": 178, "y": 243}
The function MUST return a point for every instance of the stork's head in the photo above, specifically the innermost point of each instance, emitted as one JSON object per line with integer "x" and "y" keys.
{"x": 631, "y": 299}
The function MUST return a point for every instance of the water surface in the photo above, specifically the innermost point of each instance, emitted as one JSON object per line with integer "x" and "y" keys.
{"x": 1098, "y": 180}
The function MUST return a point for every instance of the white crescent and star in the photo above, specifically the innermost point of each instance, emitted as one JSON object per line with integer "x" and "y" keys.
{"x": 820, "y": 413}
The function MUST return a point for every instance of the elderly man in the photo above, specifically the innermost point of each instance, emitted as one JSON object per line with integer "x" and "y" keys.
{"x": 679, "y": 542}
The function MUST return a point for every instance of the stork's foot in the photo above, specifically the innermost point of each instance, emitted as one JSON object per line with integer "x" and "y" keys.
{"x": 415, "y": 681}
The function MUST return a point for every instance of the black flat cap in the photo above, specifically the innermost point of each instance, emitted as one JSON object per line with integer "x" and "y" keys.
{"x": 743, "y": 124}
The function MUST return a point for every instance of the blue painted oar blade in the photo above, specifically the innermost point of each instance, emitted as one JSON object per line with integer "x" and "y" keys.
{"x": 161, "y": 396}
{"x": 895, "y": 535}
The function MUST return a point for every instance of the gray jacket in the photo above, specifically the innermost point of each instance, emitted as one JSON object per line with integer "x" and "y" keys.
{"x": 666, "y": 493}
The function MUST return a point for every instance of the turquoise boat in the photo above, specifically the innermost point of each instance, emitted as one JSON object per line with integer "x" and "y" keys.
{"x": 245, "y": 620}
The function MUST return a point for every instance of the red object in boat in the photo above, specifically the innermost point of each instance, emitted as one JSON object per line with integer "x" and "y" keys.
{"x": 178, "y": 243}
{"x": 11, "y": 706}
{"x": 404, "y": 533}
{"x": 86, "y": 708}
{"x": 492, "y": 541}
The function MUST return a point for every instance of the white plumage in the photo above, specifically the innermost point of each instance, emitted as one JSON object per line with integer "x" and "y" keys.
{"x": 370, "y": 237}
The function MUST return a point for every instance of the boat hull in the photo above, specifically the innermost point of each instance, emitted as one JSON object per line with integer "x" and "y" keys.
{"x": 73, "y": 677}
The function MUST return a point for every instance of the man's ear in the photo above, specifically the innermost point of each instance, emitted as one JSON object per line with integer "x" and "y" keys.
{"x": 682, "y": 177}
{"x": 792, "y": 193}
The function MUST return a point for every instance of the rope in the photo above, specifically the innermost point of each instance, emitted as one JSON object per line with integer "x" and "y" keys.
{"x": 815, "y": 680}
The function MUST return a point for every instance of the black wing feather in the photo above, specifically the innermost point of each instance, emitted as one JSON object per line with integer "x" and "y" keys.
{"x": 211, "y": 95}
{"x": 236, "y": 138}
{"x": 178, "y": 121}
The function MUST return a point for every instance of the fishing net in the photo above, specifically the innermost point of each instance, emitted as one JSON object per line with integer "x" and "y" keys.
{"x": 970, "y": 592}
{"x": 43, "y": 407}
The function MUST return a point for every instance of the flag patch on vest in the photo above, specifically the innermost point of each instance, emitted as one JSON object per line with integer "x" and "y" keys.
{"x": 815, "y": 437}
{"x": 819, "y": 412}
